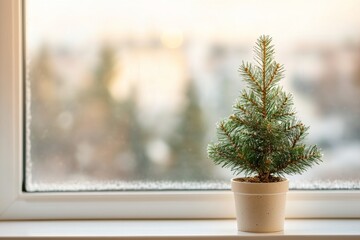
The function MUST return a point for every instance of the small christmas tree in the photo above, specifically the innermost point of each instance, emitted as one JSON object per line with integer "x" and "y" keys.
{"x": 263, "y": 135}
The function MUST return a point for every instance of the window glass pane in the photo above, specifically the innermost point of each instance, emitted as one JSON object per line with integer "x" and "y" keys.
{"x": 125, "y": 94}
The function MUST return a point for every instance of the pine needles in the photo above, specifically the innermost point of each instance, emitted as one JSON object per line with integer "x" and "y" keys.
{"x": 263, "y": 137}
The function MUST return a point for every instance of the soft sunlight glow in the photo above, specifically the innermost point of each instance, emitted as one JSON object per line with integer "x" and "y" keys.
{"x": 172, "y": 38}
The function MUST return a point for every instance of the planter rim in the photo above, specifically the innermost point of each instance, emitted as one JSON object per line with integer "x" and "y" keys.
{"x": 259, "y": 188}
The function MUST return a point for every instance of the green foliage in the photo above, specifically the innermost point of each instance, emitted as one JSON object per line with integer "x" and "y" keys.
{"x": 263, "y": 135}
{"x": 188, "y": 142}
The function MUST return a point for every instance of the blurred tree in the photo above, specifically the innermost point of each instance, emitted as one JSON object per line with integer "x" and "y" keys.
{"x": 341, "y": 84}
{"x": 93, "y": 135}
{"x": 109, "y": 127}
{"x": 49, "y": 148}
{"x": 188, "y": 143}
{"x": 136, "y": 137}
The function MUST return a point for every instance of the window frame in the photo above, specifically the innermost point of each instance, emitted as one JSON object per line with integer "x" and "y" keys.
{"x": 17, "y": 204}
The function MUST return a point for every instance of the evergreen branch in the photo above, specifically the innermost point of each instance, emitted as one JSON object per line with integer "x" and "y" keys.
{"x": 299, "y": 163}
{"x": 237, "y": 119}
{"x": 285, "y": 115}
{"x": 283, "y": 104}
{"x": 263, "y": 48}
{"x": 251, "y": 100}
{"x": 264, "y": 104}
{"x": 297, "y": 137}
{"x": 222, "y": 154}
{"x": 215, "y": 149}
{"x": 295, "y": 141}
{"x": 274, "y": 74}
{"x": 264, "y": 52}
{"x": 248, "y": 75}
{"x": 226, "y": 158}
{"x": 249, "y": 125}
{"x": 231, "y": 141}
{"x": 219, "y": 155}
{"x": 281, "y": 111}
{"x": 240, "y": 107}
{"x": 250, "y": 134}
{"x": 273, "y": 97}
{"x": 289, "y": 128}
{"x": 225, "y": 131}
{"x": 264, "y": 78}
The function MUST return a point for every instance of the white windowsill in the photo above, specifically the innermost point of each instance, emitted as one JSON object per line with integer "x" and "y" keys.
{"x": 176, "y": 229}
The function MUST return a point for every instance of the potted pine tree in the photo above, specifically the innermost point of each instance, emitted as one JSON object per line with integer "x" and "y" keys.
{"x": 263, "y": 139}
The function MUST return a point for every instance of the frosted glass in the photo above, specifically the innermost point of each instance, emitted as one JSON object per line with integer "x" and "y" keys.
{"x": 125, "y": 95}
{"x": 116, "y": 185}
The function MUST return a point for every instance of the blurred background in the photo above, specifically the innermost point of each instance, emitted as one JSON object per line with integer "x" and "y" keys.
{"x": 126, "y": 94}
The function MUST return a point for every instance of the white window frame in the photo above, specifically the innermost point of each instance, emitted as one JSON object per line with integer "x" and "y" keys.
{"x": 17, "y": 204}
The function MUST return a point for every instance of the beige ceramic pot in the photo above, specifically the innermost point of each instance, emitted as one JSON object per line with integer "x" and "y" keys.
{"x": 260, "y": 207}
